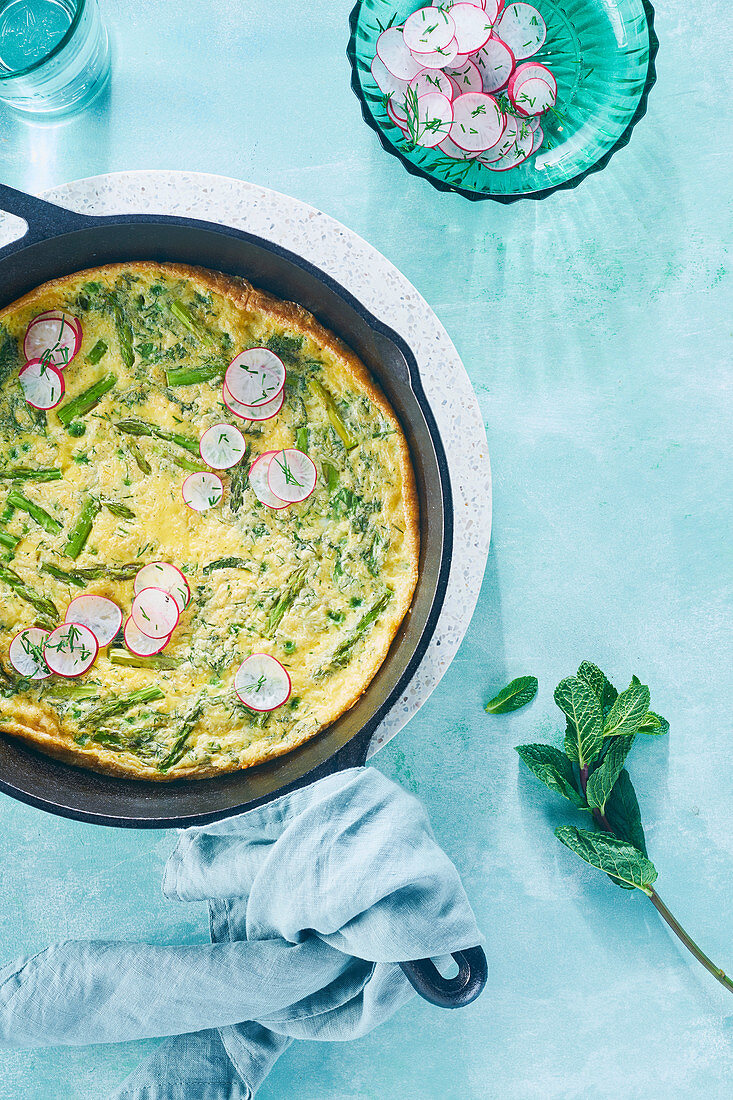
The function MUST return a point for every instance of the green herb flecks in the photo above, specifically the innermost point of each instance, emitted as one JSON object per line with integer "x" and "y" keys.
{"x": 590, "y": 774}
{"x": 40, "y": 515}
{"x": 82, "y": 529}
{"x": 86, "y": 401}
{"x": 42, "y": 604}
{"x": 515, "y": 695}
{"x": 133, "y": 426}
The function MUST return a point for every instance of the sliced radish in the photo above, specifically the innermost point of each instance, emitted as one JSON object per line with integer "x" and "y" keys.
{"x": 155, "y": 612}
{"x": 395, "y": 56}
{"x": 538, "y": 138}
{"x": 533, "y": 96}
{"x": 100, "y": 615}
{"x": 139, "y": 643}
{"x": 428, "y": 30}
{"x": 161, "y": 574}
{"x": 478, "y": 121}
{"x": 522, "y": 28}
{"x": 258, "y": 479}
{"x": 466, "y": 77}
{"x": 255, "y": 377}
{"x": 439, "y": 59}
{"x": 54, "y": 337}
{"x": 202, "y": 491}
{"x": 397, "y": 113}
{"x": 292, "y": 475}
{"x": 528, "y": 70}
{"x": 473, "y": 27}
{"x": 452, "y": 150}
{"x": 26, "y": 653}
{"x": 222, "y": 446}
{"x": 519, "y": 150}
{"x": 253, "y": 412}
{"x": 42, "y": 384}
{"x": 505, "y": 144}
{"x": 533, "y": 122}
{"x": 496, "y": 63}
{"x": 432, "y": 80}
{"x": 385, "y": 81}
{"x": 70, "y": 649}
{"x": 262, "y": 683}
{"x": 434, "y": 118}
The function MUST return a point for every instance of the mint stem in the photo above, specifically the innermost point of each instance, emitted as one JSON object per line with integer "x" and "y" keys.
{"x": 661, "y": 908}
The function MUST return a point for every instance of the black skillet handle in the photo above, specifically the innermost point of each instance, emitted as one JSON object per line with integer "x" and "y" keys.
{"x": 422, "y": 974}
{"x": 44, "y": 219}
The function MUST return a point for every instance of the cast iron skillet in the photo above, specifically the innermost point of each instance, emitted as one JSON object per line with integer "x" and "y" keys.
{"x": 59, "y": 242}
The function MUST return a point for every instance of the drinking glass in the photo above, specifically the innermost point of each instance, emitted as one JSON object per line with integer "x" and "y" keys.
{"x": 54, "y": 55}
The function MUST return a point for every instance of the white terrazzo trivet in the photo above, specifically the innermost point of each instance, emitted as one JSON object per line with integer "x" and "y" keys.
{"x": 375, "y": 282}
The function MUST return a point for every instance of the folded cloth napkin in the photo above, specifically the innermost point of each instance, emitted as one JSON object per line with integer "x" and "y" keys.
{"x": 314, "y": 899}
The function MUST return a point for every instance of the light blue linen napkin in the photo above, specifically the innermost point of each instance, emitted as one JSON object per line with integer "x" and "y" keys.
{"x": 314, "y": 899}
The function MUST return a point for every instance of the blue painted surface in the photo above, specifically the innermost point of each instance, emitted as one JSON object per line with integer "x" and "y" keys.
{"x": 596, "y": 327}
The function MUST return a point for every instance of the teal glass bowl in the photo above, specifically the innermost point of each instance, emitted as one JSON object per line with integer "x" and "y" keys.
{"x": 602, "y": 54}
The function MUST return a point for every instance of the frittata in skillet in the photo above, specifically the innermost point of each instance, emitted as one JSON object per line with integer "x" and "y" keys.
{"x": 286, "y": 604}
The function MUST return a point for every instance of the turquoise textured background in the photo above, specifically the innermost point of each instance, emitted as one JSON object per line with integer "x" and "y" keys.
{"x": 596, "y": 327}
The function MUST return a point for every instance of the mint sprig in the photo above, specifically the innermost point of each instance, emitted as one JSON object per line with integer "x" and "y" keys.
{"x": 515, "y": 695}
{"x": 601, "y": 726}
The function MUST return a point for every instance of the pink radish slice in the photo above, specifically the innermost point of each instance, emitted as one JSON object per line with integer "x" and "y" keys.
{"x": 54, "y": 336}
{"x": 440, "y": 59}
{"x": 98, "y": 614}
{"x": 392, "y": 51}
{"x": 532, "y": 121}
{"x": 522, "y": 28}
{"x": 434, "y": 118}
{"x": 70, "y": 649}
{"x": 387, "y": 84}
{"x": 431, "y": 80}
{"x": 202, "y": 491}
{"x": 161, "y": 574}
{"x": 467, "y": 77}
{"x": 538, "y": 138}
{"x": 42, "y": 384}
{"x": 428, "y": 30}
{"x": 504, "y": 145}
{"x": 532, "y": 69}
{"x": 222, "y": 446}
{"x": 520, "y": 149}
{"x": 533, "y": 96}
{"x": 450, "y": 149}
{"x": 253, "y": 412}
{"x": 258, "y": 479}
{"x": 262, "y": 683}
{"x": 140, "y": 643}
{"x": 496, "y": 64}
{"x": 155, "y": 612}
{"x": 478, "y": 121}
{"x": 255, "y": 377}
{"x": 397, "y": 113}
{"x": 473, "y": 27}
{"x": 26, "y": 653}
{"x": 292, "y": 475}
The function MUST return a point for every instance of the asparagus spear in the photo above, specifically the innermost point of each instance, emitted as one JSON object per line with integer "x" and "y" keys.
{"x": 131, "y": 660}
{"x": 334, "y": 415}
{"x": 86, "y": 401}
{"x": 332, "y": 476}
{"x": 182, "y": 314}
{"x": 142, "y": 462}
{"x": 82, "y": 529}
{"x": 295, "y": 583}
{"x": 25, "y": 473}
{"x": 118, "y": 509}
{"x": 40, "y": 515}
{"x": 178, "y": 748}
{"x": 132, "y": 426}
{"x": 124, "y": 335}
{"x": 116, "y": 707}
{"x": 226, "y": 563}
{"x": 343, "y": 651}
{"x": 301, "y": 439}
{"x": 81, "y": 577}
{"x": 72, "y": 689}
{"x": 43, "y": 605}
{"x": 99, "y": 349}
{"x": 8, "y": 541}
{"x": 189, "y": 376}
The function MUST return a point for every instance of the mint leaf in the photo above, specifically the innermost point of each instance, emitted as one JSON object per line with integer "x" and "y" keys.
{"x": 607, "y": 853}
{"x": 623, "y": 813}
{"x": 599, "y": 683}
{"x": 654, "y": 724}
{"x": 583, "y": 710}
{"x": 515, "y": 695}
{"x": 552, "y": 768}
{"x": 571, "y": 741}
{"x": 628, "y": 712}
{"x": 602, "y": 781}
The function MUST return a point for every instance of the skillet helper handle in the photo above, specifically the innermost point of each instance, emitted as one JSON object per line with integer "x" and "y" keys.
{"x": 457, "y": 992}
{"x": 44, "y": 219}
